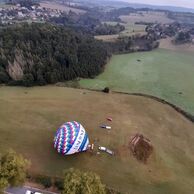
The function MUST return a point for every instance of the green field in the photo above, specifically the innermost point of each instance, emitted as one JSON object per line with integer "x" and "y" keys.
{"x": 130, "y": 29}
{"x": 163, "y": 73}
{"x": 29, "y": 118}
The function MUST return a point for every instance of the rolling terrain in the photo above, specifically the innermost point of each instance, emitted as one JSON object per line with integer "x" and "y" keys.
{"x": 30, "y": 117}
{"x": 163, "y": 73}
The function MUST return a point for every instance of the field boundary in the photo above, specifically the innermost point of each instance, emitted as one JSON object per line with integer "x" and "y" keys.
{"x": 186, "y": 114}
{"x": 178, "y": 109}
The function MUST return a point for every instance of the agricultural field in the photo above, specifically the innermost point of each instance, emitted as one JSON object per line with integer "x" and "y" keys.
{"x": 142, "y": 16}
{"x": 130, "y": 29}
{"x": 163, "y": 73}
{"x": 30, "y": 117}
{"x": 54, "y": 5}
{"x": 167, "y": 44}
{"x": 108, "y": 38}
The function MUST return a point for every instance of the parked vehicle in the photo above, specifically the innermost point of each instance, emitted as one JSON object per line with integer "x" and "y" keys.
{"x": 32, "y": 192}
{"x": 102, "y": 148}
{"x": 106, "y": 150}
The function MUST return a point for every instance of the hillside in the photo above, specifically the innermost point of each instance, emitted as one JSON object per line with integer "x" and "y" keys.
{"x": 124, "y": 3}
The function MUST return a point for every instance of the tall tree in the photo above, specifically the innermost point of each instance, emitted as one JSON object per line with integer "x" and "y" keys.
{"x": 12, "y": 170}
{"x": 77, "y": 182}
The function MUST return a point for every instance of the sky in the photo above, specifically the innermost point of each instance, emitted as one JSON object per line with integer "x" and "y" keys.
{"x": 177, "y": 3}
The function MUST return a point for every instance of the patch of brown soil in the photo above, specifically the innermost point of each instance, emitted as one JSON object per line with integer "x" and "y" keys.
{"x": 141, "y": 147}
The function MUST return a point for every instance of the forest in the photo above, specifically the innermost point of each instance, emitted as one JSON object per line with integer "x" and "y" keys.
{"x": 39, "y": 54}
{"x": 42, "y": 53}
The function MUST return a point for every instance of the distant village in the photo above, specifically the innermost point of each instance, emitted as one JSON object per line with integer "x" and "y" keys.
{"x": 18, "y": 13}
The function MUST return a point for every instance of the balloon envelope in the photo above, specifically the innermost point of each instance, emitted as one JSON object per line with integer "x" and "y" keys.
{"x": 71, "y": 138}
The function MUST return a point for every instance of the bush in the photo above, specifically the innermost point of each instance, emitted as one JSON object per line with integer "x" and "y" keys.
{"x": 58, "y": 183}
{"x": 44, "y": 180}
{"x": 112, "y": 191}
{"x": 28, "y": 80}
{"x": 106, "y": 90}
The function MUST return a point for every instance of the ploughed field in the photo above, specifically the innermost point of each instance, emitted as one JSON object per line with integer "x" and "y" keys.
{"x": 29, "y": 118}
{"x": 163, "y": 73}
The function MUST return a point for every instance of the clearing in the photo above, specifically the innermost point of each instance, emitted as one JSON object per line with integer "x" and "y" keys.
{"x": 163, "y": 73}
{"x": 30, "y": 117}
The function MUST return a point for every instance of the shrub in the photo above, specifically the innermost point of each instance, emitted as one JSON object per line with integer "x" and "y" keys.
{"x": 58, "y": 183}
{"x": 44, "y": 180}
{"x": 106, "y": 90}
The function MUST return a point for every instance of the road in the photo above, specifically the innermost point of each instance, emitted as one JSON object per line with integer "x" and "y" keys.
{"x": 22, "y": 190}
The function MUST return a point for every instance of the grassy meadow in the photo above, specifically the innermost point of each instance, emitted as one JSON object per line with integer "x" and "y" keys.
{"x": 164, "y": 73}
{"x": 130, "y": 29}
{"x": 29, "y": 118}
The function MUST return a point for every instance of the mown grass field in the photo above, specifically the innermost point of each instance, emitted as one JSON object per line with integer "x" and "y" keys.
{"x": 29, "y": 118}
{"x": 163, "y": 73}
{"x": 130, "y": 29}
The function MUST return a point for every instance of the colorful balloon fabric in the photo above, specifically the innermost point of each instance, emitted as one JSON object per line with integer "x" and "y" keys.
{"x": 71, "y": 138}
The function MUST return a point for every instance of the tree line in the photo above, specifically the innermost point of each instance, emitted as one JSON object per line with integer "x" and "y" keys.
{"x": 14, "y": 171}
{"x": 87, "y": 23}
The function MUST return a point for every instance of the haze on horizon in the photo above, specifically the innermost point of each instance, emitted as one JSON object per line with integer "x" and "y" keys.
{"x": 176, "y": 3}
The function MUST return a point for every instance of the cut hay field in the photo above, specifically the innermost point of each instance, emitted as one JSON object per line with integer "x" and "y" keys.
{"x": 158, "y": 17}
{"x": 163, "y": 73}
{"x": 30, "y": 116}
{"x": 167, "y": 44}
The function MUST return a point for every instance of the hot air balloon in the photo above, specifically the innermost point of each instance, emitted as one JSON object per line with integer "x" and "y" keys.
{"x": 71, "y": 138}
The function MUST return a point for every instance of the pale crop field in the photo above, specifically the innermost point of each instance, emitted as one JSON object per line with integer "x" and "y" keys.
{"x": 158, "y": 17}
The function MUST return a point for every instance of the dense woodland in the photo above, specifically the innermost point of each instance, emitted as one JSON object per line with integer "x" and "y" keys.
{"x": 43, "y": 53}
{"x": 87, "y": 23}
{"x": 38, "y": 54}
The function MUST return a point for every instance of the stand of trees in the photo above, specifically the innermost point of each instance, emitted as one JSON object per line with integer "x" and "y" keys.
{"x": 12, "y": 170}
{"x": 133, "y": 43}
{"x": 43, "y": 53}
{"x": 87, "y": 23}
{"x": 182, "y": 37}
{"x": 77, "y": 182}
